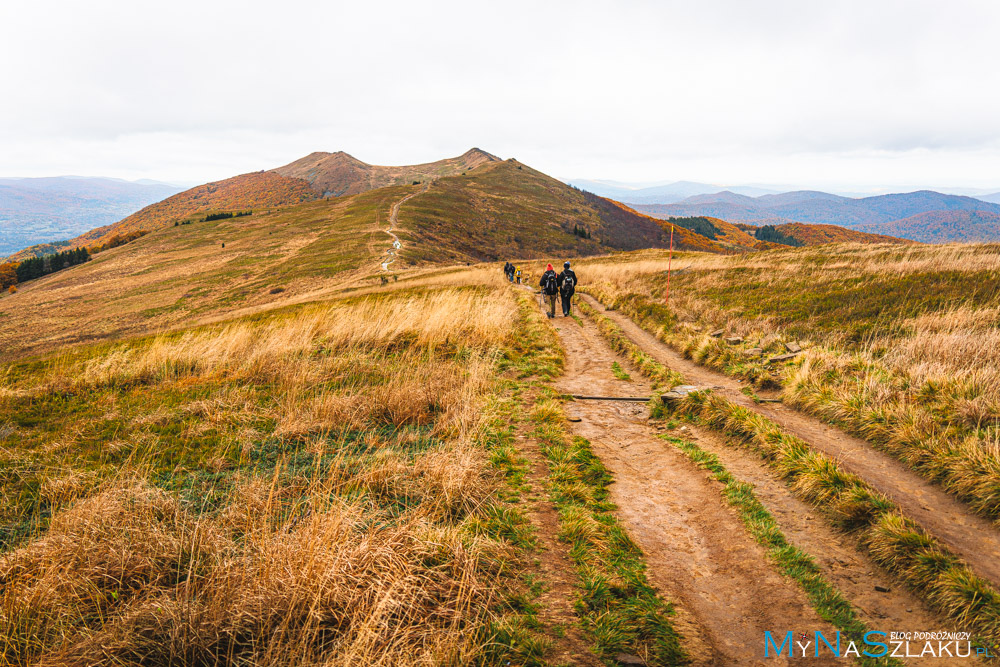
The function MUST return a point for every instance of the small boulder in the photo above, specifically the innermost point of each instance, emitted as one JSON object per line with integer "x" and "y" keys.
{"x": 754, "y": 352}
{"x": 734, "y": 340}
{"x": 717, "y": 333}
{"x": 679, "y": 392}
{"x": 629, "y": 659}
{"x": 793, "y": 347}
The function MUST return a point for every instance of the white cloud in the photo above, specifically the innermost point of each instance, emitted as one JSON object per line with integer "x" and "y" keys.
{"x": 859, "y": 94}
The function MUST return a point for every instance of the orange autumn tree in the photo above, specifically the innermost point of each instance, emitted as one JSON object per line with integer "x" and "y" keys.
{"x": 8, "y": 275}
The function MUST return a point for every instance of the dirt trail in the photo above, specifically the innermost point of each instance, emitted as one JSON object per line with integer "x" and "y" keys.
{"x": 973, "y": 538}
{"x": 697, "y": 550}
{"x": 393, "y": 252}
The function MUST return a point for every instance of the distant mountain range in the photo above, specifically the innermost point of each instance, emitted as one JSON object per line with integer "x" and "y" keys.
{"x": 661, "y": 194}
{"x": 49, "y": 210}
{"x": 672, "y": 193}
{"x": 923, "y": 216}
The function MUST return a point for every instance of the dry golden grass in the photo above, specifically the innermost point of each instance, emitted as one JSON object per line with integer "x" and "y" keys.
{"x": 370, "y": 540}
{"x": 903, "y": 342}
{"x": 130, "y": 576}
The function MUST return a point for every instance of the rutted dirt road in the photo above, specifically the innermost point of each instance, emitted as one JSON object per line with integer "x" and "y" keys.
{"x": 700, "y": 556}
{"x": 974, "y": 539}
{"x": 698, "y": 552}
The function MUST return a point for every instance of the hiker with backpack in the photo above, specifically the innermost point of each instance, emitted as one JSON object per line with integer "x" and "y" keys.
{"x": 508, "y": 271}
{"x": 550, "y": 288}
{"x": 567, "y": 287}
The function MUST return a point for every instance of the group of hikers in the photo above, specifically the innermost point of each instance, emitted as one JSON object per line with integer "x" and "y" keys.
{"x": 562, "y": 285}
{"x": 512, "y": 272}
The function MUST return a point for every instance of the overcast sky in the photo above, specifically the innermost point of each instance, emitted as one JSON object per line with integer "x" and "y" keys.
{"x": 859, "y": 95}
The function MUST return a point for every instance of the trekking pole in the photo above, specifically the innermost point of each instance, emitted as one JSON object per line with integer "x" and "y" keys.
{"x": 670, "y": 259}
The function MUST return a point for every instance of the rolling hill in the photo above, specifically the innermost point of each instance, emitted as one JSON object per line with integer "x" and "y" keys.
{"x": 509, "y": 210}
{"x": 50, "y": 210}
{"x": 316, "y": 175}
{"x": 943, "y": 227}
{"x": 825, "y": 208}
{"x": 296, "y": 245}
{"x": 180, "y": 266}
{"x": 338, "y": 174}
{"x": 817, "y": 234}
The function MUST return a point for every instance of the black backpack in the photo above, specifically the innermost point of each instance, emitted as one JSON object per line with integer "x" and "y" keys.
{"x": 569, "y": 285}
{"x": 550, "y": 286}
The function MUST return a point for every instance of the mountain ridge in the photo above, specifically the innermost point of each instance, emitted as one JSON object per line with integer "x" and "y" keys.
{"x": 319, "y": 174}
{"x": 339, "y": 173}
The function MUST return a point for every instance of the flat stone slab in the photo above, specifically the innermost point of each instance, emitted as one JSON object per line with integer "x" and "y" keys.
{"x": 782, "y": 357}
{"x": 717, "y": 333}
{"x": 734, "y": 340}
{"x": 679, "y": 392}
{"x": 754, "y": 352}
{"x": 793, "y": 347}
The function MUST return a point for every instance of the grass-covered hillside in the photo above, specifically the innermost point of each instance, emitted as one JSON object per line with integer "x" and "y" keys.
{"x": 508, "y": 210}
{"x": 189, "y": 272}
{"x": 901, "y": 343}
{"x": 255, "y": 191}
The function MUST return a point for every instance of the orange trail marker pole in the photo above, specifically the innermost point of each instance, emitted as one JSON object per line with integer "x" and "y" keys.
{"x": 670, "y": 259}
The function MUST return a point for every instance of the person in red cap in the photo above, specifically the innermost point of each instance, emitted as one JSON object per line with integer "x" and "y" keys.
{"x": 550, "y": 288}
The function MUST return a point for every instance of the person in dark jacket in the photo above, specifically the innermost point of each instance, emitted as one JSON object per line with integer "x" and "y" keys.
{"x": 550, "y": 288}
{"x": 508, "y": 271}
{"x": 567, "y": 287}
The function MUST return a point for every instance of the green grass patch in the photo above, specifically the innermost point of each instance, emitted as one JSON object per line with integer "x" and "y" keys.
{"x": 789, "y": 559}
{"x": 621, "y": 612}
{"x": 620, "y": 372}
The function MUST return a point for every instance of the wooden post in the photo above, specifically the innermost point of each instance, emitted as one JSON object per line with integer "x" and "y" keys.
{"x": 670, "y": 259}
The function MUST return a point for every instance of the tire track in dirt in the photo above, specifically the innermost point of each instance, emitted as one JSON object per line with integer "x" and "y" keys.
{"x": 697, "y": 550}
{"x": 974, "y": 539}
{"x": 838, "y": 555}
